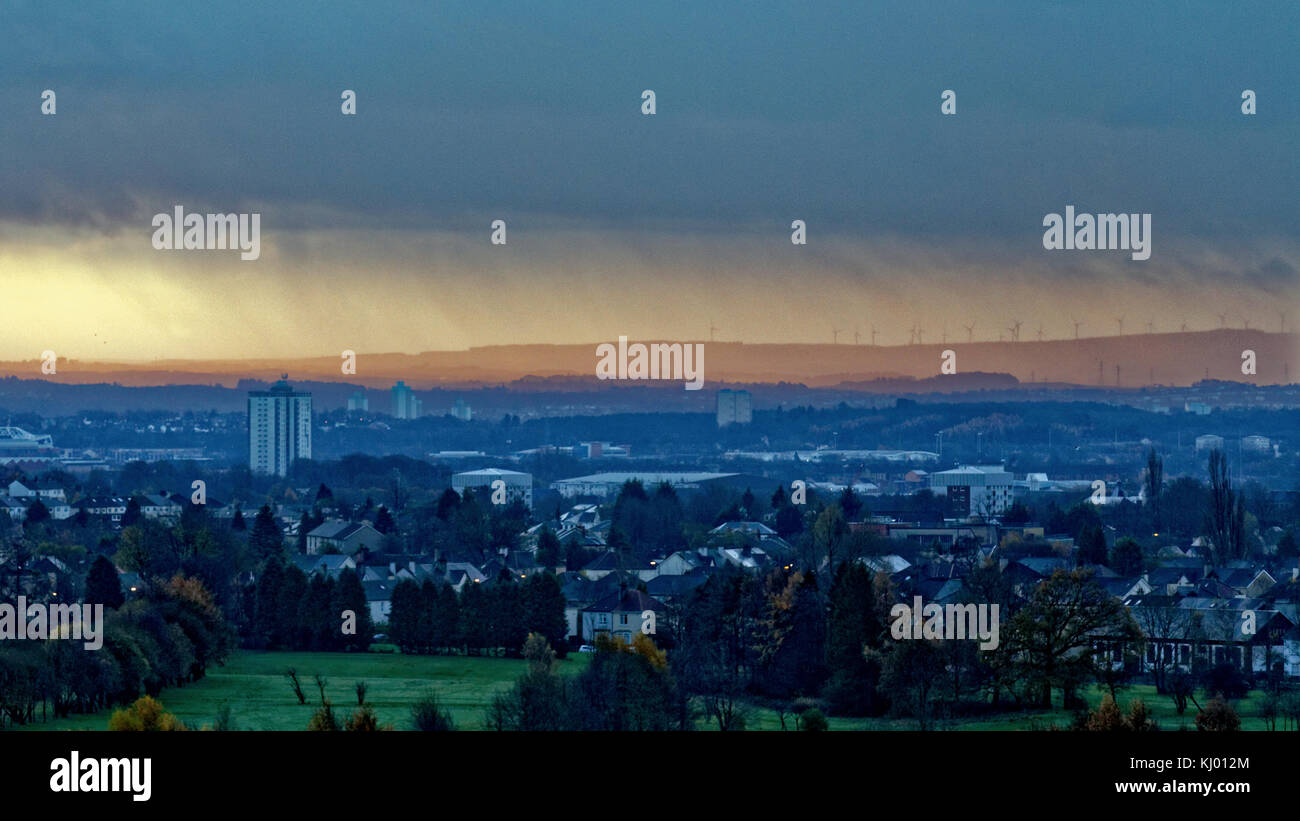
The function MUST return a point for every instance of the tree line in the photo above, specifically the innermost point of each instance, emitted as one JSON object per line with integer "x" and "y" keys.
{"x": 494, "y": 617}
{"x": 168, "y": 635}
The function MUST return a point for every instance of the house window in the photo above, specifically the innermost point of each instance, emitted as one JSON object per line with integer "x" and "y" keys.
{"x": 622, "y": 618}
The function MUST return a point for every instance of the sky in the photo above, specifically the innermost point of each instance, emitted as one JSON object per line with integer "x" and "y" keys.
{"x": 375, "y": 228}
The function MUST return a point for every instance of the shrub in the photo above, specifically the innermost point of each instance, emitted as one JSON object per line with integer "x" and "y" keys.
{"x": 813, "y": 721}
{"x": 427, "y": 715}
{"x": 1218, "y": 717}
{"x": 145, "y": 715}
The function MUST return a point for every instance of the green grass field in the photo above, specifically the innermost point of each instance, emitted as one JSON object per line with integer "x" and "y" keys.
{"x": 260, "y": 696}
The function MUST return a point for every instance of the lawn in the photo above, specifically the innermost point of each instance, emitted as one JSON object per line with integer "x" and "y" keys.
{"x": 261, "y": 698}
{"x": 253, "y": 683}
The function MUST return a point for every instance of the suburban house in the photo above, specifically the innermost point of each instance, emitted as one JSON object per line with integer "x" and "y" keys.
{"x": 111, "y": 507}
{"x": 342, "y": 537}
{"x": 620, "y": 614}
{"x": 154, "y": 506}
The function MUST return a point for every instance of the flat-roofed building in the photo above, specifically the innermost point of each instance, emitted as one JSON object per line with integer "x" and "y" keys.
{"x": 983, "y": 490}
{"x": 279, "y": 428}
{"x": 517, "y": 485}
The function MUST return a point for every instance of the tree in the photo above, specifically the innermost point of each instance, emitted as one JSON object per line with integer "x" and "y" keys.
{"x": 306, "y": 524}
{"x": 446, "y": 619}
{"x": 1052, "y": 635}
{"x": 850, "y": 504}
{"x": 474, "y": 624}
{"x": 350, "y": 596}
{"x": 712, "y": 657}
{"x": 37, "y": 512}
{"x": 548, "y": 548}
{"x": 538, "y": 701}
{"x": 829, "y": 532}
{"x": 1126, "y": 558}
{"x": 404, "y": 617}
{"x": 265, "y": 540}
{"x": 266, "y": 600}
{"x": 1154, "y": 480}
{"x": 911, "y": 671}
{"x": 1092, "y": 545}
{"x": 288, "y": 629}
{"x": 317, "y": 621}
{"x": 1225, "y": 522}
{"x": 384, "y": 521}
{"x": 506, "y": 614}
{"x": 778, "y": 498}
{"x": 789, "y": 521}
{"x": 853, "y": 626}
{"x": 103, "y": 585}
{"x": 793, "y": 638}
{"x": 1286, "y": 546}
{"x": 132, "y": 515}
{"x": 624, "y": 687}
{"x": 543, "y": 609}
{"x": 448, "y": 504}
{"x": 237, "y": 522}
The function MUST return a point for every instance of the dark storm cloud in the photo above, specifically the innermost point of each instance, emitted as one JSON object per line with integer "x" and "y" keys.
{"x": 827, "y": 112}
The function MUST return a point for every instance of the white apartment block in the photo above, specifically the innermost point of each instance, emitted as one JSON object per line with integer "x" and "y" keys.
{"x": 279, "y": 428}
{"x": 734, "y": 408}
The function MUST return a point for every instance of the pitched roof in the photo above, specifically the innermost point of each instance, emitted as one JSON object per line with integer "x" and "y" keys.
{"x": 634, "y": 601}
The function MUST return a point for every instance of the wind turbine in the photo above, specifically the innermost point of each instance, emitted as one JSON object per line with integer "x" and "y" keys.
{"x": 835, "y": 336}
{"x": 873, "y": 334}
{"x": 712, "y": 329}
{"x": 945, "y": 334}
{"x": 1015, "y": 330}
{"x": 1150, "y": 327}
{"x": 1040, "y": 332}
{"x": 1077, "y": 323}
{"x": 1245, "y": 321}
{"x": 1183, "y": 328}
{"x": 856, "y": 336}
{"x": 1223, "y": 319}
{"x": 920, "y": 336}
{"x": 1120, "y": 320}
{"x": 970, "y": 332}
{"x": 1281, "y": 322}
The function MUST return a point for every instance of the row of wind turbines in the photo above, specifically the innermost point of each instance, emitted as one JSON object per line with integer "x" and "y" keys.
{"x": 916, "y": 334}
